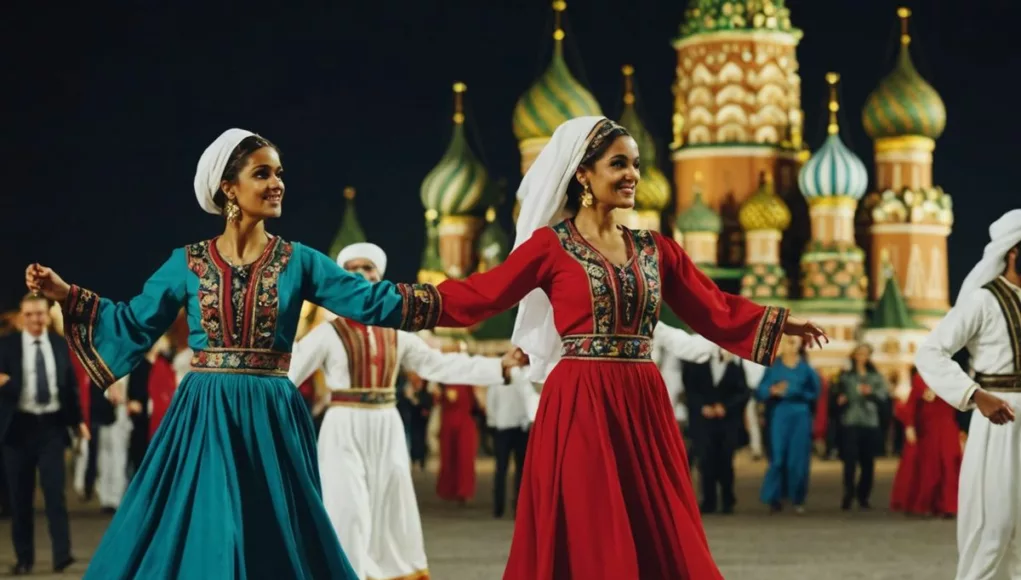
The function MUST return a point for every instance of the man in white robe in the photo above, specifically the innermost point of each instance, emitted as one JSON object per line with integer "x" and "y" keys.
{"x": 363, "y": 455}
{"x": 986, "y": 319}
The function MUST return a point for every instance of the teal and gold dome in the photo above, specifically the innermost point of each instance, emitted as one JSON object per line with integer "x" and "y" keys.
{"x": 704, "y": 16}
{"x": 350, "y": 231}
{"x": 833, "y": 171}
{"x": 555, "y": 97}
{"x": 459, "y": 183}
{"x": 904, "y": 104}
{"x": 653, "y": 188}
{"x": 699, "y": 218}
{"x": 764, "y": 210}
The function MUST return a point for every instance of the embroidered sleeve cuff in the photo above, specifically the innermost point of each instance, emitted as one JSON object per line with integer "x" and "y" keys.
{"x": 767, "y": 336}
{"x": 421, "y": 306}
{"x": 81, "y": 311}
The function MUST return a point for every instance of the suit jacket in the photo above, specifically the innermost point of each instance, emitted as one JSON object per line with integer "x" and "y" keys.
{"x": 732, "y": 392}
{"x": 67, "y": 382}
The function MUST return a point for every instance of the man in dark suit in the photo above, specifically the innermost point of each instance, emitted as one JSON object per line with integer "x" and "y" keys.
{"x": 39, "y": 403}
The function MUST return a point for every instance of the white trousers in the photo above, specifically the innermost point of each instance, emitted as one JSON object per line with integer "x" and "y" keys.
{"x": 751, "y": 419}
{"x": 989, "y": 500}
{"x": 112, "y": 459}
{"x": 368, "y": 492}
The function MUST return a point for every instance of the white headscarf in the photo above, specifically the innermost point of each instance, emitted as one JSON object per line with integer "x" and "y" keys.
{"x": 211, "y": 165}
{"x": 543, "y": 194}
{"x": 1004, "y": 234}
{"x": 365, "y": 251}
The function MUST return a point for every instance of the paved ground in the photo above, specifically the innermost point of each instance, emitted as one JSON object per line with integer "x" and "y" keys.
{"x": 466, "y": 543}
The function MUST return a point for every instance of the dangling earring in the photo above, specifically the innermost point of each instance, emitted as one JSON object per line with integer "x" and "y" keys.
{"x": 232, "y": 210}
{"x": 586, "y": 198}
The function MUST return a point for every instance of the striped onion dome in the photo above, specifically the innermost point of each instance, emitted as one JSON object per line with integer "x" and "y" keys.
{"x": 834, "y": 170}
{"x": 699, "y": 218}
{"x": 653, "y": 188}
{"x": 764, "y": 210}
{"x": 555, "y": 97}
{"x": 350, "y": 231}
{"x": 904, "y": 103}
{"x": 459, "y": 183}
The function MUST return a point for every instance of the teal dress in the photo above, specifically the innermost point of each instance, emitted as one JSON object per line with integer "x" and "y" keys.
{"x": 229, "y": 488}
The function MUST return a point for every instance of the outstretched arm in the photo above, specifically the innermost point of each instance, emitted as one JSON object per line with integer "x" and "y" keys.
{"x": 680, "y": 344}
{"x": 312, "y": 351}
{"x": 448, "y": 367}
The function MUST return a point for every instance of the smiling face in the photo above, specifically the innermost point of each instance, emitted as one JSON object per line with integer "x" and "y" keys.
{"x": 613, "y": 177}
{"x": 259, "y": 186}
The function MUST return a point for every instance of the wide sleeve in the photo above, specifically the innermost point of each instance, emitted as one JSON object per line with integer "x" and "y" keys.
{"x": 934, "y": 359}
{"x": 737, "y": 324}
{"x": 404, "y": 306}
{"x": 310, "y": 353}
{"x": 448, "y": 367}
{"x": 109, "y": 338}
{"x": 680, "y": 344}
{"x": 481, "y": 296}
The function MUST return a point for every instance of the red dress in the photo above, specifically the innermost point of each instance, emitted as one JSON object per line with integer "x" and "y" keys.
{"x": 926, "y": 480}
{"x": 606, "y": 491}
{"x": 459, "y": 443}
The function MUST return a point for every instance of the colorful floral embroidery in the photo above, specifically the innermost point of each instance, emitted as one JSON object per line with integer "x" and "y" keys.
{"x": 372, "y": 363}
{"x": 81, "y": 308}
{"x": 265, "y": 300}
{"x": 364, "y": 397}
{"x": 421, "y": 308}
{"x": 623, "y": 347}
{"x": 767, "y": 336}
{"x": 242, "y": 360}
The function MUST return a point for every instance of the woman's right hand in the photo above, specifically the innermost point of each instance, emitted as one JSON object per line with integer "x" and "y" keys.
{"x": 45, "y": 281}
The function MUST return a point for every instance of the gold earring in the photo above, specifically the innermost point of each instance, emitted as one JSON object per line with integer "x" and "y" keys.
{"x": 586, "y": 198}
{"x": 232, "y": 210}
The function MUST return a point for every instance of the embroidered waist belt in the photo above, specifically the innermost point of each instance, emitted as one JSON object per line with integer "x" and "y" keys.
{"x": 607, "y": 346}
{"x": 1003, "y": 383}
{"x": 242, "y": 361}
{"x": 379, "y": 397}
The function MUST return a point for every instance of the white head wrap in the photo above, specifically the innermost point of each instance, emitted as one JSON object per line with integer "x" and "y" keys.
{"x": 543, "y": 194}
{"x": 1004, "y": 234}
{"x": 211, "y": 165}
{"x": 365, "y": 251}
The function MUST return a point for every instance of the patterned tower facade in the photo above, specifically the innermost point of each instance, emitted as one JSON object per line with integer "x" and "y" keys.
{"x": 653, "y": 193}
{"x": 737, "y": 106}
{"x": 893, "y": 333}
{"x": 833, "y": 279}
{"x": 911, "y": 218}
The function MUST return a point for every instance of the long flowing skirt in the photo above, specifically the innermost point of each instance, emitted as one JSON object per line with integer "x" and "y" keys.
{"x": 229, "y": 489}
{"x": 606, "y": 491}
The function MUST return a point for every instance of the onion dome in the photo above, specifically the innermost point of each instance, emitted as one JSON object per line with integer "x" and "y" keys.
{"x": 555, "y": 97}
{"x": 350, "y": 231}
{"x": 704, "y": 16}
{"x": 459, "y": 182}
{"x": 764, "y": 210}
{"x": 904, "y": 104}
{"x": 494, "y": 244}
{"x": 834, "y": 170}
{"x": 653, "y": 188}
{"x": 891, "y": 311}
{"x": 699, "y": 217}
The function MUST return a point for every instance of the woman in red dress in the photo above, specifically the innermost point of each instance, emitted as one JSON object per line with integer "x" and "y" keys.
{"x": 606, "y": 490}
{"x": 459, "y": 443}
{"x": 926, "y": 480}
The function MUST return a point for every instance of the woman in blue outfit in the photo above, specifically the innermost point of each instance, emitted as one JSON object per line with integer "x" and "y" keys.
{"x": 793, "y": 387}
{"x": 229, "y": 488}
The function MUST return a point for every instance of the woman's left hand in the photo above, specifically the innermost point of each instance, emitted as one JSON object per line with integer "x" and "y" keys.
{"x": 807, "y": 330}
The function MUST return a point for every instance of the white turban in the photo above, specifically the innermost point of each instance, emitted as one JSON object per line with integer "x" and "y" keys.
{"x": 543, "y": 194}
{"x": 364, "y": 251}
{"x": 211, "y": 165}
{"x": 1004, "y": 234}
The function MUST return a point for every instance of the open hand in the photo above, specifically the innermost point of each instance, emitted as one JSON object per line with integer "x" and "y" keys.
{"x": 83, "y": 431}
{"x": 45, "y": 281}
{"x": 514, "y": 358}
{"x": 910, "y": 435}
{"x": 993, "y": 408}
{"x": 4, "y": 379}
{"x": 808, "y": 331}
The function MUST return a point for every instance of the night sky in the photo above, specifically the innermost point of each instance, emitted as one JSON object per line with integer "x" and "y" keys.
{"x": 108, "y": 109}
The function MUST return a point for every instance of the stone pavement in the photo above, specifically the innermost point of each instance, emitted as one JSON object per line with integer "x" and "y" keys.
{"x": 466, "y": 543}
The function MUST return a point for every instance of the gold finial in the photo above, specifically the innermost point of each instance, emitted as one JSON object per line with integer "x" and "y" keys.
{"x": 349, "y": 192}
{"x": 490, "y": 215}
{"x": 629, "y": 88}
{"x": 832, "y": 79}
{"x": 459, "y": 89}
{"x": 431, "y": 215}
{"x": 904, "y": 13}
{"x": 558, "y": 8}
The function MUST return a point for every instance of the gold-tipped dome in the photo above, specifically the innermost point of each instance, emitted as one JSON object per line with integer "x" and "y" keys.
{"x": 459, "y": 182}
{"x": 555, "y": 97}
{"x": 904, "y": 104}
{"x": 764, "y": 210}
{"x": 833, "y": 171}
{"x": 699, "y": 217}
{"x": 653, "y": 188}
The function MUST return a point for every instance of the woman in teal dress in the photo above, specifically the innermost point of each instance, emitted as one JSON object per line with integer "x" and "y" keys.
{"x": 229, "y": 488}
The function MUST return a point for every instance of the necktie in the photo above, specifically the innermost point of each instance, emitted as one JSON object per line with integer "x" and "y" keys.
{"x": 42, "y": 385}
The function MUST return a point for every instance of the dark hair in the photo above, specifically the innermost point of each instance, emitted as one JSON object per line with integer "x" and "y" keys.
{"x": 605, "y": 133}
{"x": 869, "y": 367}
{"x": 238, "y": 159}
